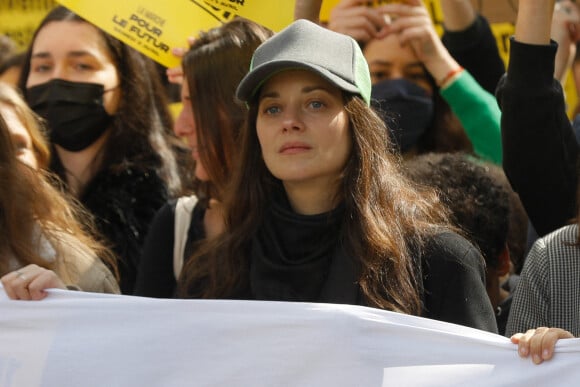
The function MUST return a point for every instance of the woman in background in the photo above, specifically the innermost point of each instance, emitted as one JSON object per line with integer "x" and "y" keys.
{"x": 109, "y": 126}
{"x": 210, "y": 122}
{"x": 42, "y": 244}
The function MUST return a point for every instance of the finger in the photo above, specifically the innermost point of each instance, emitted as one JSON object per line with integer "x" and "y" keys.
{"x": 402, "y": 10}
{"x": 356, "y": 22}
{"x": 352, "y": 3}
{"x": 7, "y": 284}
{"x": 46, "y": 279}
{"x": 536, "y": 344}
{"x": 524, "y": 342}
{"x": 360, "y": 27}
{"x": 178, "y": 51}
{"x": 20, "y": 287}
{"x": 574, "y": 31}
{"x": 401, "y": 24}
{"x": 515, "y": 339}
{"x": 550, "y": 339}
{"x": 175, "y": 75}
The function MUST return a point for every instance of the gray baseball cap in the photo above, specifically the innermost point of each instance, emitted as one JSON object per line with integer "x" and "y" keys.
{"x": 305, "y": 45}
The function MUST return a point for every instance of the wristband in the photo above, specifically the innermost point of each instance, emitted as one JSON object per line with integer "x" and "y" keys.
{"x": 450, "y": 75}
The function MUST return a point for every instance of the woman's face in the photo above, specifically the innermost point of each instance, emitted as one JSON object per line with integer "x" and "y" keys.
{"x": 184, "y": 127}
{"x": 387, "y": 59}
{"x": 303, "y": 128}
{"x": 76, "y": 52}
{"x": 19, "y": 135}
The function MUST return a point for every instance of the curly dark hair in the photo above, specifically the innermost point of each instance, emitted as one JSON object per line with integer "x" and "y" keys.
{"x": 478, "y": 202}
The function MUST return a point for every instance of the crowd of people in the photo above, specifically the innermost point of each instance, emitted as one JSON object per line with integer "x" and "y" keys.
{"x": 363, "y": 161}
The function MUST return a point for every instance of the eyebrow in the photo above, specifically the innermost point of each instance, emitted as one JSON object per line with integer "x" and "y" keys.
{"x": 305, "y": 89}
{"x": 388, "y": 63}
{"x": 74, "y": 54}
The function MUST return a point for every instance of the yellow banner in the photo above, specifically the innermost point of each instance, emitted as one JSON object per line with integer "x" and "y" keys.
{"x": 274, "y": 14}
{"x": 154, "y": 27}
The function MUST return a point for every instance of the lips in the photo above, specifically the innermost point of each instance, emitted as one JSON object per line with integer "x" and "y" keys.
{"x": 294, "y": 147}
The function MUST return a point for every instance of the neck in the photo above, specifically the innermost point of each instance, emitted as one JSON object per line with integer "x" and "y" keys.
{"x": 213, "y": 220}
{"x": 312, "y": 198}
{"x": 80, "y": 167}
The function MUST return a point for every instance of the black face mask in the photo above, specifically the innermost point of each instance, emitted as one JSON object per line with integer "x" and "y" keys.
{"x": 406, "y": 108}
{"x": 74, "y": 111}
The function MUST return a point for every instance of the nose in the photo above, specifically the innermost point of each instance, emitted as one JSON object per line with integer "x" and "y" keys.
{"x": 292, "y": 120}
{"x": 182, "y": 126}
{"x": 58, "y": 72}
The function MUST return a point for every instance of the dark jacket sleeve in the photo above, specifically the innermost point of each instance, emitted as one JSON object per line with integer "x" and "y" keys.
{"x": 454, "y": 283}
{"x": 155, "y": 277}
{"x": 475, "y": 48}
{"x": 540, "y": 151}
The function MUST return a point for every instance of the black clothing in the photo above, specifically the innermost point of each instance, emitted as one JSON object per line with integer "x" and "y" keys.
{"x": 475, "y": 48}
{"x": 155, "y": 276}
{"x": 301, "y": 258}
{"x": 123, "y": 204}
{"x": 540, "y": 150}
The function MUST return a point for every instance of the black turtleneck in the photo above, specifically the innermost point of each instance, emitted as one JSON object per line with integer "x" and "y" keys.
{"x": 301, "y": 257}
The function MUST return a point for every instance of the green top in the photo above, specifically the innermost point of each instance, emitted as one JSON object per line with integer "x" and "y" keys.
{"x": 479, "y": 114}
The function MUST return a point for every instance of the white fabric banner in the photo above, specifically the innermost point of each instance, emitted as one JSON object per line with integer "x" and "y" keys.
{"x": 85, "y": 339}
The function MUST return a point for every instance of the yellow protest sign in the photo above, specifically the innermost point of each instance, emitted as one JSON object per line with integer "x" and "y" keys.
{"x": 150, "y": 26}
{"x": 272, "y": 14}
{"x": 154, "y": 28}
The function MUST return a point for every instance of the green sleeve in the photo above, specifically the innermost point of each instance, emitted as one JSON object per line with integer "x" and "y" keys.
{"x": 479, "y": 114}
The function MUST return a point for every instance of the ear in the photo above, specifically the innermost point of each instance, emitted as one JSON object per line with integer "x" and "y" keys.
{"x": 504, "y": 262}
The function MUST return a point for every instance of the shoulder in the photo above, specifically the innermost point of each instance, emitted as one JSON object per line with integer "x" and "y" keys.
{"x": 448, "y": 254}
{"x": 563, "y": 235}
{"x": 451, "y": 247}
{"x": 559, "y": 245}
{"x": 98, "y": 279}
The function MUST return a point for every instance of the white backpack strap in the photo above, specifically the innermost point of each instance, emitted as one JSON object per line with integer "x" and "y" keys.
{"x": 183, "y": 210}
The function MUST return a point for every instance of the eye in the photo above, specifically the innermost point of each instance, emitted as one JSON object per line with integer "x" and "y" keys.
{"x": 316, "y": 104}
{"x": 272, "y": 109}
{"x": 83, "y": 66}
{"x": 416, "y": 77}
{"x": 41, "y": 68}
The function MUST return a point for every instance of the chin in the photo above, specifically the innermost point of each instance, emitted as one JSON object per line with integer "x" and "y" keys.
{"x": 201, "y": 175}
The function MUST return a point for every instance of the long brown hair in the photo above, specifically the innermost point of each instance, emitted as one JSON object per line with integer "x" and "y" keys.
{"x": 32, "y": 208}
{"x": 386, "y": 221}
{"x": 214, "y": 66}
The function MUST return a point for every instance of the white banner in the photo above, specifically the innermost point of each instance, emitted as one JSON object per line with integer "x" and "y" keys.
{"x": 85, "y": 339}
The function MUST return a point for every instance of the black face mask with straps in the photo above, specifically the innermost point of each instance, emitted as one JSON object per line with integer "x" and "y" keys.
{"x": 406, "y": 108}
{"x": 74, "y": 112}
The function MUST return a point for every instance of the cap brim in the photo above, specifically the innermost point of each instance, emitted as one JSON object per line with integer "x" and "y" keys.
{"x": 254, "y": 80}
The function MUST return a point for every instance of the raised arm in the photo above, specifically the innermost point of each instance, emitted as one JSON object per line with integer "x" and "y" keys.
{"x": 540, "y": 151}
{"x": 307, "y": 9}
{"x": 469, "y": 39}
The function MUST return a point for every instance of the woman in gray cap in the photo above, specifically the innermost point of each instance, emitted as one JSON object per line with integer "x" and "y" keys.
{"x": 318, "y": 209}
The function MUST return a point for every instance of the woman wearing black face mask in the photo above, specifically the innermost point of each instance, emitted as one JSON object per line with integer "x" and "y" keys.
{"x": 109, "y": 126}
{"x": 429, "y": 102}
